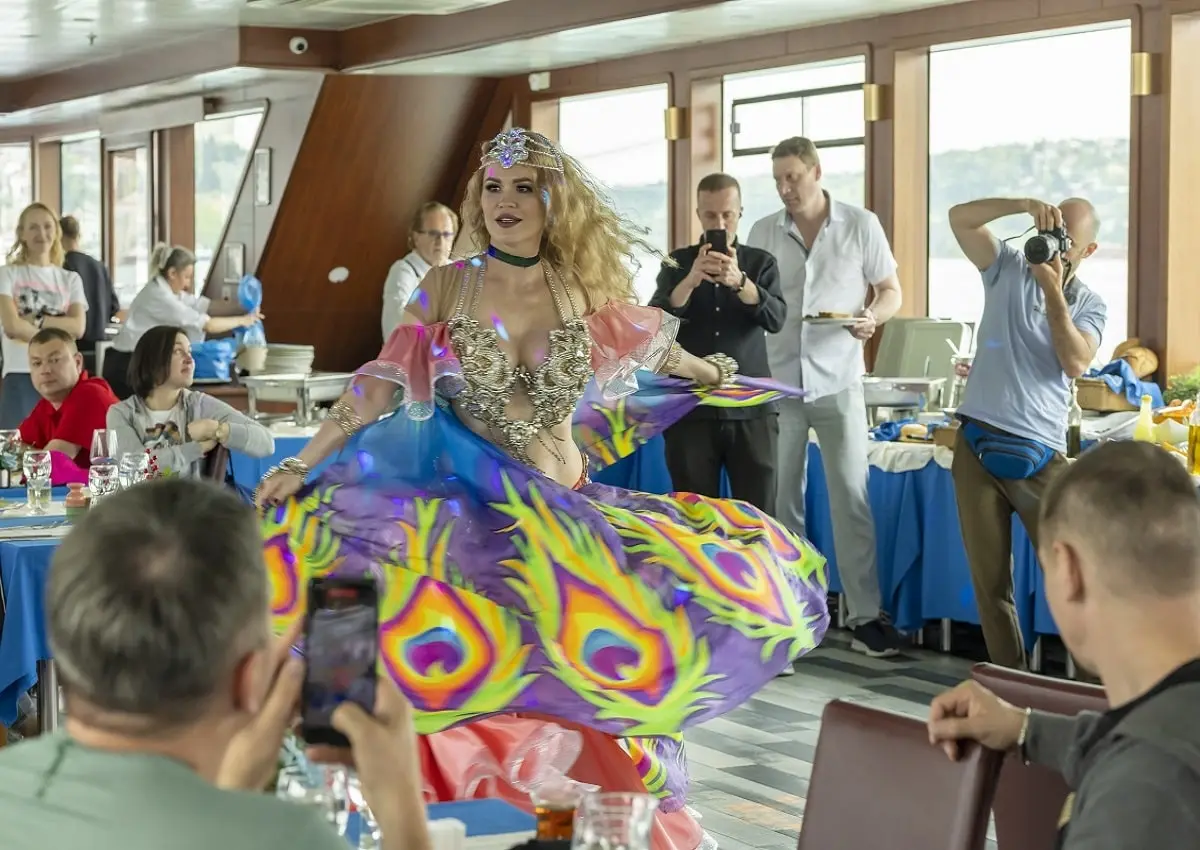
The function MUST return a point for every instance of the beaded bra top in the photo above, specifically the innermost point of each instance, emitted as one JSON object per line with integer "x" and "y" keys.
{"x": 554, "y": 387}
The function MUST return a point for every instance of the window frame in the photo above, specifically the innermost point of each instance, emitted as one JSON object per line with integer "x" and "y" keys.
{"x": 800, "y": 95}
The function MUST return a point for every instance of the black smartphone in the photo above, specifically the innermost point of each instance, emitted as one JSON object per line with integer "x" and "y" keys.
{"x": 718, "y": 240}
{"x": 341, "y": 650}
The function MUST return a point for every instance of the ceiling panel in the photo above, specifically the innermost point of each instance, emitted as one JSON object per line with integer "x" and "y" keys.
{"x": 720, "y": 22}
{"x": 44, "y": 35}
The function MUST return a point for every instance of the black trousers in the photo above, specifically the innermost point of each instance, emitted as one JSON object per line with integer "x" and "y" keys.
{"x": 116, "y": 372}
{"x": 698, "y": 449}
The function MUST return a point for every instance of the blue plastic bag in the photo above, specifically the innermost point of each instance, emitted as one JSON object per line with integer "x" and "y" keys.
{"x": 250, "y": 297}
{"x": 214, "y": 359}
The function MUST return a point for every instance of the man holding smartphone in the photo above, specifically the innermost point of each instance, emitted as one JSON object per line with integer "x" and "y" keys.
{"x": 728, "y": 298}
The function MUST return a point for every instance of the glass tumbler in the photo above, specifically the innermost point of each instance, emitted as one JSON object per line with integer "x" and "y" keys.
{"x": 103, "y": 480}
{"x": 36, "y": 466}
{"x": 133, "y": 468}
{"x": 614, "y": 821}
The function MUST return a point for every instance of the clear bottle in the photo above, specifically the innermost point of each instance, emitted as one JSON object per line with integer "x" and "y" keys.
{"x": 1143, "y": 431}
{"x": 1074, "y": 424}
{"x": 1193, "y": 445}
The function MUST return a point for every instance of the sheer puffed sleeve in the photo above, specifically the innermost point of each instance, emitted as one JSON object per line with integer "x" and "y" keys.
{"x": 420, "y": 359}
{"x": 627, "y": 338}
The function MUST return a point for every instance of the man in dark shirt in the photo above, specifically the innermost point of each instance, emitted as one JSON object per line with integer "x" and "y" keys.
{"x": 727, "y": 302}
{"x": 97, "y": 287}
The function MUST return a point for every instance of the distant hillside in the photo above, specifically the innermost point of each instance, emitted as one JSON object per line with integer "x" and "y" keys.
{"x": 1097, "y": 170}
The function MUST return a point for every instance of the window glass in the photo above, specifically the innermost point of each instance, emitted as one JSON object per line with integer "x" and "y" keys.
{"x": 81, "y": 191}
{"x": 224, "y": 145}
{"x": 16, "y": 190}
{"x": 823, "y": 102}
{"x": 1009, "y": 135}
{"x": 619, "y": 137}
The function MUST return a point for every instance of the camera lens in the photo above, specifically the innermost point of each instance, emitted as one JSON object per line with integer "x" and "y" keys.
{"x": 1040, "y": 249}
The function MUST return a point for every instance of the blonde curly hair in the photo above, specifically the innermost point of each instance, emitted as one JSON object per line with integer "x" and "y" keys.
{"x": 18, "y": 254}
{"x": 586, "y": 240}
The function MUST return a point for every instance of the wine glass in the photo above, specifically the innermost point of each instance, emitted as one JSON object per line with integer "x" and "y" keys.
{"x": 104, "y": 446}
{"x": 36, "y": 466}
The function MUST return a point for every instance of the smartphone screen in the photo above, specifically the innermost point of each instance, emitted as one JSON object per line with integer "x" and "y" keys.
{"x": 718, "y": 240}
{"x": 341, "y": 648}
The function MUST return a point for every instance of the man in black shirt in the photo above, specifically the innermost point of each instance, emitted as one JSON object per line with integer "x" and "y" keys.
{"x": 97, "y": 287}
{"x": 727, "y": 302}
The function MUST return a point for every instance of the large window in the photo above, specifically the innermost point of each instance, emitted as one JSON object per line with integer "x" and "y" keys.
{"x": 223, "y": 145}
{"x": 822, "y": 102}
{"x": 129, "y": 237}
{"x": 619, "y": 137}
{"x": 1000, "y": 125}
{"x": 16, "y": 190}
{"x": 81, "y": 190}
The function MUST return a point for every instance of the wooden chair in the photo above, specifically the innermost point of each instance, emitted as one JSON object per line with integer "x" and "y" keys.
{"x": 876, "y": 782}
{"x": 1029, "y": 799}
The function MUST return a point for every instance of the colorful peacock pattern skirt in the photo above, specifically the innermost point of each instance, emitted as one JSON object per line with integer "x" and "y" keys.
{"x": 502, "y": 591}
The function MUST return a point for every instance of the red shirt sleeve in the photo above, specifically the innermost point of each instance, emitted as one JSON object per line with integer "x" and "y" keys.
{"x": 84, "y": 411}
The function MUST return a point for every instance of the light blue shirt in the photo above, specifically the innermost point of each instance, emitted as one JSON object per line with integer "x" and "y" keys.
{"x": 1017, "y": 383}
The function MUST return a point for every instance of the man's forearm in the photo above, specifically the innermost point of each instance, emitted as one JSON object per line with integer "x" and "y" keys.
{"x": 1070, "y": 345}
{"x": 886, "y": 304}
{"x": 681, "y": 294}
{"x": 986, "y": 210}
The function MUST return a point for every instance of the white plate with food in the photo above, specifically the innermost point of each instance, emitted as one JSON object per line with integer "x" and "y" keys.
{"x": 844, "y": 321}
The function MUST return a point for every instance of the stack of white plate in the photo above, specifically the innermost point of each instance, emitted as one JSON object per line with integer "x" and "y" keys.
{"x": 288, "y": 360}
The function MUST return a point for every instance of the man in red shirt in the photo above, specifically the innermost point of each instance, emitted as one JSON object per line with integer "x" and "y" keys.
{"x": 73, "y": 406}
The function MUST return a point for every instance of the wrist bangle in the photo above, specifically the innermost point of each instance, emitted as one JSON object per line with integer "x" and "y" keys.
{"x": 671, "y": 362}
{"x": 1023, "y": 735}
{"x": 727, "y": 367}
{"x": 741, "y": 283}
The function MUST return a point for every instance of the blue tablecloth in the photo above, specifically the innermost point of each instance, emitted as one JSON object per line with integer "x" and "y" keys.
{"x": 24, "y": 565}
{"x": 246, "y": 471}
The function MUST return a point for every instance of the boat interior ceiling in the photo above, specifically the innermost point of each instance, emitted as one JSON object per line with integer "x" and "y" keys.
{"x": 70, "y": 59}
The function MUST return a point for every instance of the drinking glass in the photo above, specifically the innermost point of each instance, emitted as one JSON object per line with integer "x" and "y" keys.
{"x": 310, "y": 786}
{"x": 104, "y": 446}
{"x": 36, "y": 466}
{"x": 133, "y": 468}
{"x": 615, "y": 821}
{"x": 103, "y": 480}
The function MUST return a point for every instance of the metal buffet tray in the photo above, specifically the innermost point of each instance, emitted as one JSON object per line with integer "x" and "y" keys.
{"x": 305, "y": 391}
{"x": 907, "y": 393}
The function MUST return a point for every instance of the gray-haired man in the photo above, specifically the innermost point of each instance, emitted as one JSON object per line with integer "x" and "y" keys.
{"x": 177, "y": 701}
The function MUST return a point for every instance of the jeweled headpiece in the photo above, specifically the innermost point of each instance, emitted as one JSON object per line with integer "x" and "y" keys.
{"x": 521, "y": 147}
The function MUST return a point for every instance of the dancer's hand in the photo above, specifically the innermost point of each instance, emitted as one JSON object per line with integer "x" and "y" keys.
{"x": 278, "y": 488}
{"x": 385, "y": 753}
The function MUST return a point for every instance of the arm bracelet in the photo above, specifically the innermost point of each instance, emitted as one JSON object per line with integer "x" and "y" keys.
{"x": 288, "y": 466}
{"x": 346, "y": 417}
{"x": 671, "y": 362}
{"x": 727, "y": 367}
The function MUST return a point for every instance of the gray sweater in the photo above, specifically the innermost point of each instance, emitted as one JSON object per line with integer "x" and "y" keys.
{"x": 168, "y": 441}
{"x": 1135, "y": 772}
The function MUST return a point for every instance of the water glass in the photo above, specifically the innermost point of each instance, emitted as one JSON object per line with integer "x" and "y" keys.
{"x": 36, "y": 466}
{"x": 614, "y": 821}
{"x": 104, "y": 446}
{"x": 309, "y": 786}
{"x": 103, "y": 480}
{"x": 134, "y": 467}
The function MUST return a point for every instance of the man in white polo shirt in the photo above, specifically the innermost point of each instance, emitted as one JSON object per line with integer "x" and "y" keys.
{"x": 830, "y": 255}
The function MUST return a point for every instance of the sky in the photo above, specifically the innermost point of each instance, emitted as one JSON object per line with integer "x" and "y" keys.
{"x": 1053, "y": 86}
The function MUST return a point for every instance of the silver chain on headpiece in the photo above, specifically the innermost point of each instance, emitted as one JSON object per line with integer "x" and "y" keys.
{"x": 522, "y": 147}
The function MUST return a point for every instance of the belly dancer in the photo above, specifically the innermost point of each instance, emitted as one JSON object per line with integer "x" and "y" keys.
{"x": 544, "y": 625}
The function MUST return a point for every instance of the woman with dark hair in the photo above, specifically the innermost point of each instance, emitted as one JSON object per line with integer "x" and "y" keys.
{"x": 168, "y": 299}
{"x": 178, "y": 425}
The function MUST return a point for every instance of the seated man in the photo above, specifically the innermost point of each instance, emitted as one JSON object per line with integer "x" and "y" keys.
{"x": 1120, "y": 548}
{"x": 177, "y": 699}
{"x": 74, "y": 404}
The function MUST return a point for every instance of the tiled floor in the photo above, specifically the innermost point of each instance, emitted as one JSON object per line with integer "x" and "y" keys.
{"x": 750, "y": 768}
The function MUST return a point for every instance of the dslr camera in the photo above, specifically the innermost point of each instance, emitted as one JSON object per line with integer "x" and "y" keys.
{"x": 1043, "y": 247}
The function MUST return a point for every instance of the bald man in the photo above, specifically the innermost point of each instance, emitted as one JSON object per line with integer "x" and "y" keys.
{"x": 1040, "y": 329}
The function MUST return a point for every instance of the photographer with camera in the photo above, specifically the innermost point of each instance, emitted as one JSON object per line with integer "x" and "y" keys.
{"x": 1039, "y": 329}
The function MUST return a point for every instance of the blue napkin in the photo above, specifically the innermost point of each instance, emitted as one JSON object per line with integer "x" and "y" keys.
{"x": 889, "y": 432}
{"x": 1120, "y": 378}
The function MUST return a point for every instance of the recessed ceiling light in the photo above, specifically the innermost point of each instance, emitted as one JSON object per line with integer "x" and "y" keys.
{"x": 84, "y": 20}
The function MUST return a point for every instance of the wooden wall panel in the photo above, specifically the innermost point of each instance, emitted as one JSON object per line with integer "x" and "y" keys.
{"x": 1181, "y": 303}
{"x": 374, "y": 149}
{"x": 178, "y": 179}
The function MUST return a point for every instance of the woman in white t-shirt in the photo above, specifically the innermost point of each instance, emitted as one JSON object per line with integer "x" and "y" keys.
{"x": 166, "y": 300}
{"x": 35, "y": 292}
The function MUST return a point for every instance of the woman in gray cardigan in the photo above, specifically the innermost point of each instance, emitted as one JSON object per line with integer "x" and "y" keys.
{"x": 175, "y": 424}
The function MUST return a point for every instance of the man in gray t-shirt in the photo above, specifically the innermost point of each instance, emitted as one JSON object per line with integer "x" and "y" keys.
{"x": 1040, "y": 328}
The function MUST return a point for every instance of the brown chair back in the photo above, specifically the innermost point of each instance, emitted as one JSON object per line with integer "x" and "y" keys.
{"x": 216, "y": 464}
{"x": 877, "y": 782}
{"x": 1030, "y": 798}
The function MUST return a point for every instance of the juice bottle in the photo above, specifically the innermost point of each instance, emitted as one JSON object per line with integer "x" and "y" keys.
{"x": 1074, "y": 424}
{"x": 1143, "y": 431}
{"x": 1193, "y": 455}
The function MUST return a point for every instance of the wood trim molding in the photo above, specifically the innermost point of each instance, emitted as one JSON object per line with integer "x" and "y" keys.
{"x": 706, "y": 148}
{"x": 909, "y": 166}
{"x": 47, "y": 170}
{"x": 1181, "y": 299}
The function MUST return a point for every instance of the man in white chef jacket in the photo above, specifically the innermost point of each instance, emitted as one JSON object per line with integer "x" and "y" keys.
{"x": 832, "y": 256}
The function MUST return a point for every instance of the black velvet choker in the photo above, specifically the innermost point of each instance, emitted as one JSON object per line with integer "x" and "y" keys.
{"x": 513, "y": 259}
